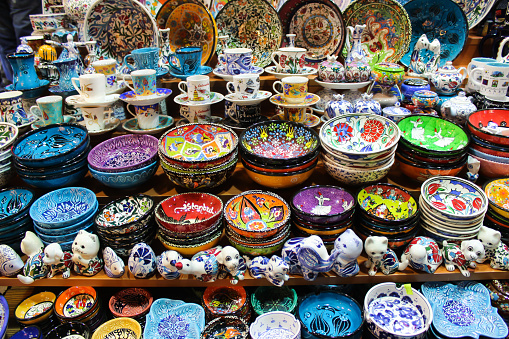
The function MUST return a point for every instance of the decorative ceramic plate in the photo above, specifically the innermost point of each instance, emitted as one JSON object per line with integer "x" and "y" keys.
{"x": 323, "y": 200}
{"x": 219, "y": 71}
{"x": 183, "y": 99}
{"x": 130, "y": 97}
{"x": 318, "y": 26}
{"x": 4, "y": 315}
{"x": 388, "y": 29}
{"x": 191, "y": 24}
{"x": 443, "y": 20}
{"x": 311, "y": 119}
{"x": 498, "y": 192}
{"x": 125, "y": 210}
{"x": 130, "y": 302}
{"x": 119, "y": 27}
{"x": 132, "y": 126}
{"x": 77, "y": 305}
{"x": 387, "y": 202}
{"x": 251, "y": 24}
{"x": 395, "y": 315}
{"x": 475, "y": 10}
{"x": 306, "y": 72}
{"x": 13, "y": 201}
{"x": 8, "y": 133}
{"x": 463, "y": 310}
{"x": 261, "y": 96}
{"x": 342, "y": 85}
{"x": 309, "y": 100}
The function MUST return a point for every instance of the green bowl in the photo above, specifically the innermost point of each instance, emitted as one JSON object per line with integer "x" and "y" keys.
{"x": 258, "y": 250}
{"x": 272, "y": 298}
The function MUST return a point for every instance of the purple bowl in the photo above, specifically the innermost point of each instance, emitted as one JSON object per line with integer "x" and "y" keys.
{"x": 124, "y": 153}
{"x": 322, "y": 204}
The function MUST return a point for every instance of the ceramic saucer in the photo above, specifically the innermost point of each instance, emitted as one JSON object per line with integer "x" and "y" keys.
{"x": 35, "y": 92}
{"x": 203, "y": 70}
{"x": 219, "y": 71}
{"x": 212, "y": 119}
{"x": 58, "y": 91}
{"x": 318, "y": 111}
{"x": 311, "y": 119}
{"x": 160, "y": 72}
{"x": 310, "y": 99}
{"x": 342, "y": 85}
{"x": 131, "y": 125}
{"x": 121, "y": 86}
{"x": 227, "y": 121}
{"x": 68, "y": 119}
{"x": 324, "y": 118}
{"x": 131, "y": 98}
{"x": 182, "y": 99}
{"x": 306, "y": 71}
{"x": 261, "y": 96}
{"x": 107, "y": 127}
{"x": 78, "y": 101}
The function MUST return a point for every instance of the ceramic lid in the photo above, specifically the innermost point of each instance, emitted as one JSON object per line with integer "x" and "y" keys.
{"x": 415, "y": 82}
{"x": 461, "y": 99}
{"x": 389, "y": 66}
{"x": 331, "y": 62}
{"x": 448, "y": 68}
{"x": 425, "y": 94}
{"x": 396, "y": 110}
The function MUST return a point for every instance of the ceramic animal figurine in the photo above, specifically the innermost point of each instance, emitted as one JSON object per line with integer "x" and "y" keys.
{"x": 58, "y": 260}
{"x": 463, "y": 256}
{"x": 275, "y": 269}
{"x": 381, "y": 257}
{"x": 34, "y": 268}
{"x": 232, "y": 263}
{"x": 203, "y": 265}
{"x": 85, "y": 249}
{"x": 307, "y": 256}
{"x": 424, "y": 63}
{"x": 347, "y": 248}
{"x": 423, "y": 254}
{"x": 495, "y": 250}
{"x": 166, "y": 264}
{"x": 10, "y": 261}
{"x": 113, "y": 265}
{"x": 142, "y": 262}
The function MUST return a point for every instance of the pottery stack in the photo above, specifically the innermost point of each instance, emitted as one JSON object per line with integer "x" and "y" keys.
{"x": 15, "y": 220}
{"x": 37, "y": 310}
{"x": 224, "y": 301}
{"x": 132, "y": 303}
{"x": 497, "y": 216}
{"x": 9, "y": 134}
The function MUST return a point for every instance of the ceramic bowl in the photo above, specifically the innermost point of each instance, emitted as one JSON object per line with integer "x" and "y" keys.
{"x": 68, "y": 236}
{"x": 278, "y": 142}
{"x": 125, "y": 180}
{"x": 489, "y": 157}
{"x": 272, "y": 298}
{"x": 80, "y": 161}
{"x": 279, "y": 180}
{"x": 415, "y": 155}
{"x": 48, "y": 22}
{"x": 192, "y": 240}
{"x": 330, "y": 314}
{"x": 35, "y": 309}
{"x": 282, "y": 233}
{"x": 260, "y": 249}
{"x": 63, "y": 230}
{"x": 497, "y": 192}
{"x": 224, "y": 300}
{"x": 119, "y": 328}
{"x": 356, "y": 176}
{"x": 360, "y": 136}
{"x": 235, "y": 327}
{"x": 420, "y": 171}
{"x": 9, "y": 135}
{"x": 130, "y": 302}
{"x": 76, "y": 302}
{"x": 492, "y": 169}
{"x": 15, "y": 203}
{"x": 275, "y": 324}
{"x": 269, "y": 168}
{"x": 63, "y": 207}
{"x": 488, "y": 147}
{"x": 54, "y": 181}
{"x": 256, "y": 214}
{"x": 190, "y": 250}
{"x": 32, "y": 332}
{"x": 205, "y": 146}
{"x": 124, "y": 153}
{"x": 322, "y": 232}
{"x": 187, "y": 235}
{"x": 478, "y": 121}
{"x": 336, "y": 158}
{"x": 69, "y": 330}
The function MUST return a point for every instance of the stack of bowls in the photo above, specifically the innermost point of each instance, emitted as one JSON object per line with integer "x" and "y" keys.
{"x": 190, "y": 222}
{"x": 125, "y": 222}
{"x": 452, "y": 209}
{"x": 223, "y": 301}
{"x": 125, "y": 161}
{"x": 389, "y": 211}
{"x": 132, "y": 303}
{"x": 257, "y": 222}
{"x": 52, "y": 156}
{"x": 198, "y": 156}
{"x": 431, "y": 146}
{"x": 490, "y": 141}
{"x": 323, "y": 210}
{"x": 37, "y": 310}
{"x": 6, "y": 168}
{"x": 497, "y": 216}
{"x": 15, "y": 221}
{"x": 59, "y": 215}
{"x": 358, "y": 149}
{"x": 279, "y": 154}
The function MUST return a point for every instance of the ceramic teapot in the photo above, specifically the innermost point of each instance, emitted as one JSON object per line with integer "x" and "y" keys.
{"x": 331, "y": 70}
{"x": 448, "y": 78}
{"x": 457, "y": 109}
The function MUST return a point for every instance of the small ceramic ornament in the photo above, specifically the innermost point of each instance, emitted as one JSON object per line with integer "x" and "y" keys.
{"x": 367, "y": 105}
{"x": 447, "y": 79}
{"x": 473, "y": 166}
{"x": 113, "y": 265}
{"x": 495, "y": 250}
{"x": 338, "y": 106}
{"x": 10, "y": 261}
{"x": 231, "y": 262}
{"x": 85, "y": 249}
{"x": 331, "y": 70}
{"x": 203, "y": 265}
{"x": 425, "y": 57}
{"x": 34, "y": 268}
{"x": 58, "y": 260}
{"x": 275, "y": 269}
{"x": 142, "y": 262}
{"x": 166, "y": 264}
{"x": 457, "y": 109}
{"x": 423, "y": 254}
{"x": 24, "y": 47}
{"x": 381, "y": 257}
{"x": 347, "y": 248}
{"x": 463, "y": 256}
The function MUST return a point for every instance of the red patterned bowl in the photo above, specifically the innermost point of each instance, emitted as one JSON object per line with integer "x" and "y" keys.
{"x": 480, "y": 119}
{"x": 492, "y": 169}
{"x": 225, "y": 300}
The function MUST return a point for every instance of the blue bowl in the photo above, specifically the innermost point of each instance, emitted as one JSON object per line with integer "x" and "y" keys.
{"x": 63, "y": 207}
{"x": 125, "y": 179}
{"x": 65, "y": 245}
{"x": 50, "y": 182}
{"x": 14, "y": 202}
{"x": 19, "y": 222}
{"x": 67, "y": 229}
{"x": 79, "y": 161}
{"x": 69, "y": 236}
{"x": 28, "y": 332}
{"x": 16, "y": 233}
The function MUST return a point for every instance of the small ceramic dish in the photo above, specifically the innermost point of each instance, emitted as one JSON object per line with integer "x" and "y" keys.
{"x": 69, "y": 330}
{"x": 229, "y": 326}
{"x": 272, "y": 298}
{"x": 15, "y": 202}
{"x": 477, "y": 124}
{"x": 497, "y": 192}
{"x": 128, "y": 179}
{"x": 9, "y": 134}
{"x": 32, "y": 332}
{"x": 275, "y": 324}
{"x": 224, "y": 300}
{"x": 420, "y": 171}
{"x": 279, "y": 180}
{"x": 130, "y": 302}
{"x": 76, "y": 302}
{"x": 190, "y": 250}
{"x": 119, "y": 328}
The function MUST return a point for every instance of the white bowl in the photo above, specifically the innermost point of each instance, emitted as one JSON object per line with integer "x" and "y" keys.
{"x": 356, "y": 176}
{"x": 277, "y": 324}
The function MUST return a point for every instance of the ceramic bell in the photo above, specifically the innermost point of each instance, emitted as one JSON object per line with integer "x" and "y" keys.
{"x": 423, "y": 254}
{"x": 381, "y": 257}
{"x": 232, "y": 263}
{"x": 347, "y": 248}
{"x": 396, "y": 112}
{"x": 338, "y": 107}
{"x": 463, "y": 256}
{"x": 326, "y": 95}
{"x": 142, "y": 262}
{"x": 34, "y": 267}
{"x": 331, "y": 70}
{"x": 10, "y": 261}
{"x": 113, "y": 265}
{"x": 85, "y": 249}
{"x": 275, "y": 269}
{"x": 495, "y": 250}
{"x": 367, "y": 105}
{"x": 203, "y": 265}
{"x": 166, "y": 264}
{"x": 58, "y": 260}
{"x": 457, "y": 109}
{"x": 425, "y": 57}
{"x": 447, "y": 79}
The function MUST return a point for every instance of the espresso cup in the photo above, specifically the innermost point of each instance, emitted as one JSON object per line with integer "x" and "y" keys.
{"x": 197, "y": 88}
{"x": 108, "y": 67}
{"x": 147, "y": 115}
{"x": 494, "y": 81}
{"x": 144, "y": 58}
{"x": 91, "y": 87}
{"x": 244, "y": 86}
{"x": 236, "y": 60}
{"x": 96, "y": 118}
{"x": 144, "y": 82}
{"x": 297, "y": 114}
{"x": 294, "y": 89}
{"x": 194, "y": 114}
{"x": 186, "y": 60}
{"x": 289, "y": 60}
{"x": 242, "y": 114}
{"x": 49, "y": 108}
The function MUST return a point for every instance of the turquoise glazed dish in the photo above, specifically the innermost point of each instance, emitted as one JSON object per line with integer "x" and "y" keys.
{"x": 272, "y": 298}
{"x": 127, "y": 179}
{"x": 15, "y": 202}
{"x": 49, "y": 182}
{"x": 54, "y": 231}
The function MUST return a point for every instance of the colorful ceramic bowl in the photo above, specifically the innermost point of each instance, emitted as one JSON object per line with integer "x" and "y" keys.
{"x": 325, "y": 232}
{"x": 356, "y": 176}
{"x": 279, "y": 180}
{"x": 424, "y": 99}
{"x": 275, "y": 324}
{"x": 247, "y": 162}
{"x": 336, "y": 158}
{"x": 119, "y": 328}
{"x": 62, "y": 231}
{"x": 492, "y": 169}
{"x": 130, "y": 302}
{"x": 272, "y": 298}
{"x": 9, "y": 134}
{"x": 488, "y": 147}
{"x": 260, "y": 249}
{"x": 80, "y": 161}
{"x": 477, "y": 124}
{"x": 227, "y": 326}
{"x": 190, "y": 250}
{"x": 76, "y": 302}
{"x": 192, "y": 239}
{"x": 420, "y": 171}
{"x": 35, "y": 309}
{"x": 189, "y": 236}
{"x": 51, "y": 182}
{"x": 497, "y": 192}
{"x": 224, "y": 300}
{"x": 69, "y": 330}
{"x": 489, "y": 157}
{"x": 4, "y": 312}
{"x": 415, "y": 155}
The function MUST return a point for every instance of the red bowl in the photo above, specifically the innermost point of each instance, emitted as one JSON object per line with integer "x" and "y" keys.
{"x": 489, "y": 148}
{"x": 421, "y": 172}
{"x": 225, "y": 300}
{"x": 492, "y": 169}
{"x": 480, "y": 119}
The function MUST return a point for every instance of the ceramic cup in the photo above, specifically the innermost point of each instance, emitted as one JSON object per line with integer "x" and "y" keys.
{"x": 297, "y": 114}
{"x": 96, "y": 117}
{"x": 475, "y": 63}
{"x": 144, "y": 58}
{"x": 108, "y": 67}
{"x": 289, "y": 59}
{"x": 144, "y": 82}
{"x": 495, "y": 80}
{"x": 147, "y": 116}
{"x": 11, "y": 108}
{"x": 186, "y": 60}
{"x": 49, "y": 108}
{"x": 197, "y": 88}
{"x": 236, "y": 60}
{"x": 295, "y": 89}
{"x": 244, "y": 86}
{"x": 242, "y": 114}
{"x": 91, "y": 87}
{"x": 196, "y": 113}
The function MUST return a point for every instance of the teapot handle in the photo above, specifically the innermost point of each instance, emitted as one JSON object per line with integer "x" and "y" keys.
{"x": 500, "y": 57}
{"x": 464, "y": 74}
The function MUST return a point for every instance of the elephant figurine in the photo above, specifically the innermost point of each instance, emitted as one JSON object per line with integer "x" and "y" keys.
{"x": 275, "y": 269}
{"x": 231, "y": 262}
{"x": 166, "y": 264}
{"x": 203, "y": 265}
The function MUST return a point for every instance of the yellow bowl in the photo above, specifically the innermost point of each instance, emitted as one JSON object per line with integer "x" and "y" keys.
{"x": 125, "y": 328}
{"x": 502, "y": 212}
{"x": 280, "y": 180}
{"x": 497, "y": 191}
{"x": 189, "y": 251}
{"x": 36, "y": 308}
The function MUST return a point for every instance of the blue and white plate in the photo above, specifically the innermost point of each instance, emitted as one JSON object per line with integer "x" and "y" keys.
{"x": 131, "y": 98}
{"x": 203, "y": 70}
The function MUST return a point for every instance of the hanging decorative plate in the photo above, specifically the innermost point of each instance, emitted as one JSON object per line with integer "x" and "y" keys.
{"x": 216, "y": 6}
{"x": 475, "y": 10}
{"x": 191, "y": 24}
{"x": 388, "y": 29}
{"x": 120, "y": 26}
{"x": 438, "y": 19}
{"x": 251, "y": 24}
{"x": 318, "y": 25}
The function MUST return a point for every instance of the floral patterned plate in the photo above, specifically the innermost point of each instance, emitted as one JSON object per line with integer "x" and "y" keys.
{"x": 475, "y": 10}
{"x": 318, "y": 26}
{"x": 4, "y": 315}
{"x": 8, "y": 133}
{"x": 387, "y": 202}
{"x": 119, "y": 27}
{"x": 309, "y": 100}
{"x": 306, "y": 72}
{"x": 125, "y": 210}
{"x": 14, "y": 202}
{"x": 395, "y": 315}
{"x": 75, "y": 301}
{"x": 311, "y": 119}
{"x": 251, "y": 24}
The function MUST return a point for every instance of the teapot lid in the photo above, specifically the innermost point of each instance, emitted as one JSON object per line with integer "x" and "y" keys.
{"x": 461, "y": 98}
{"x": 448, "y": 68}
{"x": 396, "y": 110}
{"x": 331, "y": 61}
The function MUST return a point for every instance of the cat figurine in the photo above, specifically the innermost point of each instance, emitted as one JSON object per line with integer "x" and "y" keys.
{"x": 275, "y": 269}
{"x": 347, "y": 247}
{"x": 463, "y": 256}
{"x": 58, "y": 260}
{"x": 381, "y": 257}
{"x": 34, "y": 267}
{"x": 495, "y": 250}
{"x": 85, "y": 249}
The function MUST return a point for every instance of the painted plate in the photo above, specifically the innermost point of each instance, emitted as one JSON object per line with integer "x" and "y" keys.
{"x": 388, "y": 29}
{"x": 438, "y": 19}
{"x": 119, "y": 27}
{"x": 191, "y": 24}
{"x": 318, "y": 25}
{"x": 475, "y": 10}
{"x": 251, "y": 24}
{"x": 4, "y": 315}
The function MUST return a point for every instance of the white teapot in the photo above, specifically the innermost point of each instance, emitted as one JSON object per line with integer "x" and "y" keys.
{"x": 457, "y": 109}
{"x": 448, "y": 79}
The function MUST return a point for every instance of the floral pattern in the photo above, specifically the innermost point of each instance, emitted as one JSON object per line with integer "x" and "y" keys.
{"x": 387, "y": 202}
{"x": 498, "y": 192}
{"x": 126, "y": 210}
{"x": 475, "y": 10}
{"x": 13, "y": 201}
{"x": 78, "y": 304}
{"x": 396, "y": 315}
